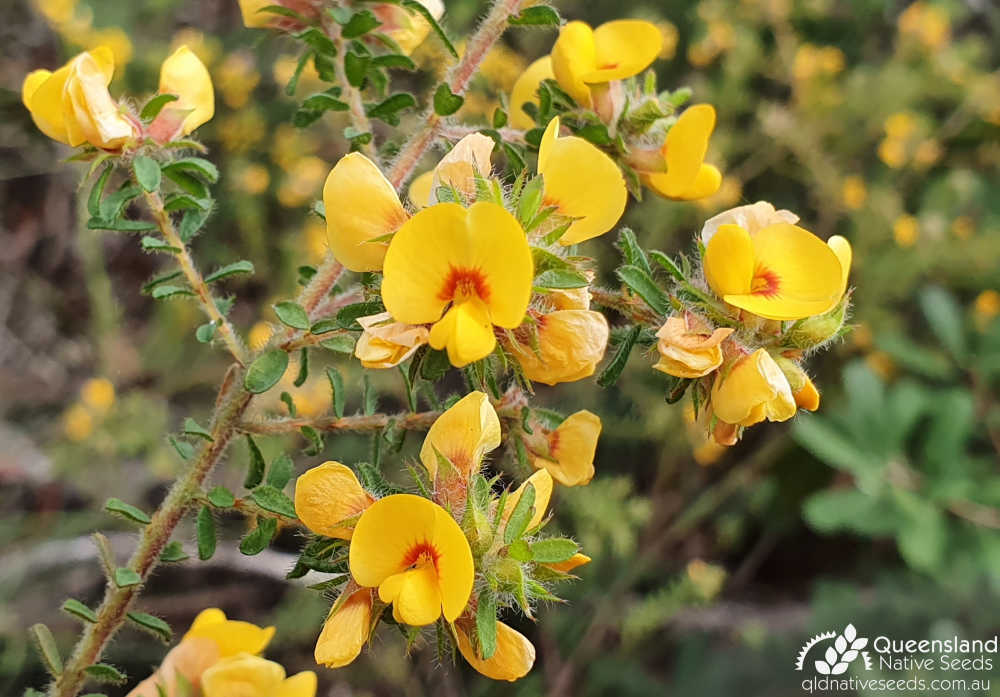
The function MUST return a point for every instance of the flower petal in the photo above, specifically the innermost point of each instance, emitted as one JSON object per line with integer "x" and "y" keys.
{"x": 183, "y": 74}
{"x": 420, "y": 190}
{"x": 299, "y": 685}
{"x": 462, "y": 434}
{"x": 751, "y": 217}
{"x": 386, "y": 532}
{"x": 458, "y": 169}
{"x": 526, "y": 90}
{"x": 573, "y": 562}
{"x": 570, "y": 345}
{"x": 455, "y": 569}
{"x": 361, "y": 205}
{"x": 542, "y": 483}
{"x": 571, "y": 448}
{"x": 624, "y": 48}
{"x": 466, "y": 332}
{"x": 245, "y": 675}
{"x": 684, "y": 151}
{"x": 729, "y": 261}
{"x": 499, "y": 247}
{"x": 842, "y": 248}
{"x": 754, "y": 389}
{"x": 231, "y": 636}
{"x": 573, "y": 56}
{"x": 45, "y": 102}
{"x": 329, "y": 494}
{"x": 513, "y": 658}
{"x": 346, "y": 631}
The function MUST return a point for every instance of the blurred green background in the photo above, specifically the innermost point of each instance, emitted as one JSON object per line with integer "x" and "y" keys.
{"x": 876, "y": 120}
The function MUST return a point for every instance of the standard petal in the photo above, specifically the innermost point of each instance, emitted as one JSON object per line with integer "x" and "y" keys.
{"x": 346, "y": 631}
{"x": 455, "y": 568}
{"x": 685, "y": 147}
{"x": 751, "y": 217}
{"x": 329, "y": 494}
{"x": 729, "y": 261}
{"x": 513, "y": 658}
{"x": 526, "y": 90}
{"x": 245, "y": 675}
{"x": 361, "y": 205}
{"x": 573, "y": 56}
{"x": 420, "y": 190}
{"x": 624, "y": 48}
{"x": 387, "y": 532}
{"x": 231, "y": 636}
{"x": 46, "y": 104}
{"x": 458, "y": 169}
{"x": 842, "y": 248}
{"x": 299, "y": 685}
{"x": 462, "y": 434}
{"x": 542, "y": 483}
{"x": 183, "y": 74}
{"x": 499, "y": 247}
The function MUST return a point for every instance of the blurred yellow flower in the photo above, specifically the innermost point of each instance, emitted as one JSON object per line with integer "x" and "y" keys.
{"x": 928, "y": 152}
{"x": 314, "y": 238}
{"x": 328, "y": 499}
{"x": 568, "y": 451}
{"x": 905, "y": 230}
{"x": 56, "y": 11}
{"x": 987, "y": 304}
{"x": 963, "y": 227}
{"x": 113, "y": 37}
{"x": 670, "y": 37}
{"x": 78, "y": 423}
{"x": 98, "y": 394}
{"x": 407, "y": 28}
{"x": 853, "y": 192}
{"x": 570, "y": 344}
{"x": 243, "y": 131}
{"x": 301, "y": 184}
{"x": 688, "y": 347}
{"x": 892, "y": 152}
{"x": 253, "y": 179}
{"x": 525, "y": 90}
{"x": 238, "y": 77}
{"x": 259, "y": 334}
{"x": 502, "y": 67}
{"x": 205, "y": 46}
{"x": 706, "y": 578}
{"x": 900, "y": 125}
{"x": 730, "y": 193}
{"x": 926, "y": 23}
{"x": 881, "y": 364}
{"x": 246, "y": 675}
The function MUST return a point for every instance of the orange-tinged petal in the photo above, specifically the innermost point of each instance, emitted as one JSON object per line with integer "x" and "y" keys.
{"x": 345, "y": 631}
{"x": 570, "y": 345}
{"x": 420, "y": 190}
{"x": 512, "y": 659}
{"x": 462, "y": 434}
{"x": 385, "y": 343}
{"x": 807, "y": 397}
{"x": 326, "y": 496}
{"x": 687, "y": 352}
{"x": 573, "y": 562}
{"x": 729, "y": 261}
{"x": 798, "y": 274}
{"x": 571, "y": 449}
{"x": 624, "y": 48}
{"x": 542, "y": 483}
{"x": 231, "y": 636}
{"x": 361, "y": 205}
{"x": 526, "y": 90}
{"x": 183, "y": 74}
{"x": 466, "y": 332}
{"x": 752, "y": 390}
{"x": 583, "y": 182}
{"x": 842, "y": 248}
{"x": 299, "y": 685}
{"x": 574, "y": 55}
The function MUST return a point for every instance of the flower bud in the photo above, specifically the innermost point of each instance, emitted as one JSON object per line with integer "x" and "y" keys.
{"x": 754, "y": 388}
{"x": 688, "y": 348}
{"x": 385, "y": 343}
{"x": 570, "y": 344}
{"x": 812, "y": 332}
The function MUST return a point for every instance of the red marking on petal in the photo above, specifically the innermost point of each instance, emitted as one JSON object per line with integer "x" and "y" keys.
{"x": 765, "y": 282}
{"x": 421, "y": 553}
{"x": 464, "y": 284}
{"x": 607, "y": 66}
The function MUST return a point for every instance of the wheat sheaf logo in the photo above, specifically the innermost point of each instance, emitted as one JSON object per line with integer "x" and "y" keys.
{"x": 839, "y": 655}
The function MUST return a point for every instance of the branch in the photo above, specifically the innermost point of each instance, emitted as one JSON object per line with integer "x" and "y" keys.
{"x": 410, "y": 421}
{"x": 630, "y": 306}
{"x": 458, "y": 82}
{"x": 351, "y": 94}
{"x": 194, "y": 277}
{"x": 455, "y": 132}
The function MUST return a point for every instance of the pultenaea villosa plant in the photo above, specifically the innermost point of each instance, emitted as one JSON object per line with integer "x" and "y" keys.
{"x": 482, "y": 272}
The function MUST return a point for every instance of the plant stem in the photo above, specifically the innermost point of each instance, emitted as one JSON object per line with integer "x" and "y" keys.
{"x": 458, "y": 80}
{"x": 194, "y": 278}
{"x": 351, "y": 94}
{"x": 452, "y": 132}
{"x": 418, "y": 421}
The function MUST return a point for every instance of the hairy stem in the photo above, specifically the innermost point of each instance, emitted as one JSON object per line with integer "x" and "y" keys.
{"x": 458, "y": 80}
{"x": 195, "y": 279}
{"x": 351, "y": 94}
{"x": 453, "y": 132}
{"x": 418, "y": 421}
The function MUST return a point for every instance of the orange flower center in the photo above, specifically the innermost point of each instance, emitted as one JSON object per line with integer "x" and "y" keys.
{"x": 421, "y": 554}
{"x": 465, "y": 284}
{"x": 765, "y": 282}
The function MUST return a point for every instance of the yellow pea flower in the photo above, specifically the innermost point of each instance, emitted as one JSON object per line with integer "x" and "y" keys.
{"x": 458, "y": 169}
{"x": 570, "y": 345}
{"x": 781, "y": 272}
{"x": 582, "y": 182}
{"x": 752, "y": 390}
{"x": 463, "y": 435}
{"x": 752, "y": 217}
{"x": 513, "y": 658}
{"x": 328, "y": 495}
{"x": 408, "y": 29}
{"x": 571, "y": 448}
{"x": 231, "y": 636}
{"x": 246, "y": 675}
{"x": 385, "y": 343}
{"x": 361, "y": 206}
{"x": 541, "y": 481}
{"x": 98, "y": 394}
{"x": 465, "y": 270}
{"x": 526, "y": 90}
{"x": 685, "y": 175}
{"x": 73, "y": 105}
{"x": 688, "y": 349}
{"x": 345, "y": 631}
{"x": 416, "y": 555}
{"x": 184, "y": 75}
{"x": 78, "y": 423}
{"x": 582, "y": 56}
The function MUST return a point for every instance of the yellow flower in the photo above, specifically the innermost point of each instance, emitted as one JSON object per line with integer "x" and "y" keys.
{"x": 570, "y": 345}
{"x": 245, "y": 675}
{"x": 184, "y": 75}
{"x": 987, "y": 304}
{"x": 253, "y": 18}
{"x": 582, "y": 182}
{"x": 385, "y": 343}
{"x": 565, "y": 567}
{"x": 684, "y": 174}
{"x": 98, "y": 394}
{"x": 406, "y": 28}
{"x": 905, "y": 230}
{"x": 462, "y": 435}
{"x": 361, "y": 207}
{"x": 420, "y": 190}
{"x": 327, "y": 499}
{"x": 807, "y": 396}
{"x": 752, "y": 217}
{"x": 753, "y": 389}
{"x": 78, "y": 423}
{"x": 571, "y": 448}
{"x": 301, "y": 182}
{"x": 232, "y": 637}
{"x": 72, "y": 105}
{"x": 260, "y": 333}
{"x": 687, "y": 348}
{"x": 892, "y": 152}
{"x": 512, "y": 659}
{"x": 345, "y": 630}
{"x": 116, "y": 39}
{"x": 780, "y": 272}
{"x": 465, "y": 270}
{"x": 582, "y": 56}
{"x": 254, "y": 179}
{"x": 417, "y": 556}
{"x": 670, "y": 36}
{"x": 900, "y": 125}
{"x": 541, "y": 482}
{"x": 853, "y": 192}
{"x": 458, "y": 169}
{"x": 929, "y": 24}
{"x": 526, "y": 90}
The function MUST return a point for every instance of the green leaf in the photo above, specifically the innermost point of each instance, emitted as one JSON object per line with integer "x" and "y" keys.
{"x": 355, "y": 67}
{"x": 944, "y": 317}
{"x": 181, "y": 202}
{"x": 79, "y": 610}
{"x": 292, "y": 315}
{"x": 173, "y": 552}
{"x": 237, "y": 267}
{"x": 147, "y": 172}
{"x": 260, "y": 537}
{"x": 609, "y": 376}
{"x": 324, "y": 101}
{"x": 155, "y": 244}
{"x": 434, "y": 365}
{"x": 360, "y": 23}
{"x": 170, "y": 291}
{"x": 519, "y": 550}
{"x": 125, "y": 577}
{"x": 154, "y": 106}
{"x": 255, "y": 470}
{"x": 499, "y": 118}
{"x": 113, "y": 204}
{"x": 394, "y": 60}
{"x": 446, "y": 102}
{"x": 632, "y": 252}
{"x": 126, "y": 510}
{"x": 348, "y": 315}
{"x": 221, "y": 497}
{"x": 596, "y": 133}
{"x": 121, "y": 225}
{"x": 189, "y": 183}
{"x": 197, "y": 166}
{"x": 48, "y": 650}
{"x": 272, "y": 499}
{"x": 421, "y": 9}
{"x": 102, "y": 672}
{"x": 388, "y": 109}
{"x": 191, "y": 224}
{"x": 293, "y": 82}
{"x": 337, "y": 390}
{"x": 265, "y": 371}
{"x": 315, "y": 439}
{"x": 97, "y": 192}
{"x": 303, "y": 375}
{"x": 639, "y": 282}
{"x": 667, "y": 263}
{"x": 486, "y": 624}
{"x": 205, "y": 332}
{"x": 205, "y": 527}
{"x": 281, "y": 471}
{"x": 530, "y": 200}
{"x": 183, "y": 448}
{"x": 560, "y": 278}
{"x": 539, "y": 15}
{"x": 152, "y": 624}
{"x": 193, "y": 428}
{"x": 553, "y": 550}
{"x": 342, "y": 343}
{"x": 520, "y": 516}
